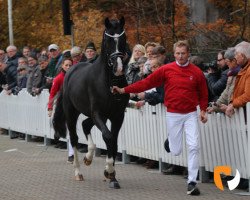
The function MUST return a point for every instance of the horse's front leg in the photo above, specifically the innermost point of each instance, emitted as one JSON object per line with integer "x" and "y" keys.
{"x": 87, "y": 125}
{"x": 116, "y": 124}
{"x": 109, "y": 139}
{"x": 109, "y": 171}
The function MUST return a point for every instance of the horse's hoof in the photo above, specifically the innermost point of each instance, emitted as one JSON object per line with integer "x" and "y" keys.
{"x": 114, "y": 184}
{"x": 109, "y": 175}
{"x": 79, "y": 177}
{"x": 86, "y": 161}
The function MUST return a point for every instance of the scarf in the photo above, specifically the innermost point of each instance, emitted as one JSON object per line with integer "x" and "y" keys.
{"x": 234, "y": 71}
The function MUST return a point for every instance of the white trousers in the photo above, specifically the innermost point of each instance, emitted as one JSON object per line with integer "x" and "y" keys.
{"x": 176, "y": 124}
{"x": 70, "y": 149}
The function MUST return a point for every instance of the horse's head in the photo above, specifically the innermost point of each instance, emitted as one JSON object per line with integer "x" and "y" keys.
{"x": 114, "y": 45}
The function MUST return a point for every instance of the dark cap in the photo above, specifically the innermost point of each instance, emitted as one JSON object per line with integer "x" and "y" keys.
{"x": 90, "y": 45}
{"x": 33, "y": 56}
{"x": 43, "y": 58}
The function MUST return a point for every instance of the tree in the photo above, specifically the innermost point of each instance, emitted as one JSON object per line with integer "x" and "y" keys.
{"x": 38, "y": 23}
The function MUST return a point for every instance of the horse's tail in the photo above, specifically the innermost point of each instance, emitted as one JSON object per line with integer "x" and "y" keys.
{"x": 59, "y": 120}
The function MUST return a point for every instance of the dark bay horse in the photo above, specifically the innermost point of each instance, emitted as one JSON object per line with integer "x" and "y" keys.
{"x": 87, "y": 90}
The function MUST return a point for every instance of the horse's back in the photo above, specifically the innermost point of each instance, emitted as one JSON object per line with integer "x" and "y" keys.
{"x": 78, "y": 69}
{"x": 85, "y": 87}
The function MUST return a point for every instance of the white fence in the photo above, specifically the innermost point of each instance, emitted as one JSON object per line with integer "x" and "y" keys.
{"x": 224, "y": 141}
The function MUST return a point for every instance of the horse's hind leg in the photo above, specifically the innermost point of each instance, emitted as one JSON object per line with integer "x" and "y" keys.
{"x": 71, "y": 119}
{"x": 87, "y": 125}
{"x": 78, "y": 175}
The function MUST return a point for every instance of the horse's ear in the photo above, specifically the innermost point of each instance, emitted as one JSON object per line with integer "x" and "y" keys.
{"x": 107, "y": 23}
{"x": 122, "y": 21}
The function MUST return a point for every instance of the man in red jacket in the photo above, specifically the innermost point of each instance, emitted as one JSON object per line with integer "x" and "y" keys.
{"x": 185, "y": 88}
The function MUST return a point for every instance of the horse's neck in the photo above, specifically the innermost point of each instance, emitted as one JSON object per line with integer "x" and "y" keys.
{"x": 102, "y": 68}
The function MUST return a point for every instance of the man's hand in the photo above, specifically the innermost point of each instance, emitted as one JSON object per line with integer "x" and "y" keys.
{"x": 203, "y": 116}
{"x": 230, "y": 110}
{"x": 141, "y": 95}
{"x": 5, "y": 87}
{"x": 116, "y": 90}
{"x": 35, "y": 91}
{"x": 210, "y": 110}
{"x": 210, "y": 70}
{"x": 139, "y": 104}
{"x": 49, "y": 80}
{"x": 223, "y": 107}
{"x": 8, "y": 92}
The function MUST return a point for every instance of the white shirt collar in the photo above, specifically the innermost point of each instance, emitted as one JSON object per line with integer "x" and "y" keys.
{"x": 186, "y": 64}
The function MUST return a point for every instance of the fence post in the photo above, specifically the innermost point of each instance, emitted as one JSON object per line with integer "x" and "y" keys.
{"x": 125, "y": 157}
{"x": 27, "y": 137}
{"x": 11, "y": 133}
{"x": 160, "y": 165}
{"x": 47, "y": 141}
{"x": 98, "y": 152}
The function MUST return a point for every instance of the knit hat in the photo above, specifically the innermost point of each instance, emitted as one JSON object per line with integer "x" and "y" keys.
{"x": 90, "y": 45}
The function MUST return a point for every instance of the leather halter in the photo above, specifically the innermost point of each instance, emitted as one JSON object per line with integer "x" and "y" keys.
{"x": 116, "y": 54}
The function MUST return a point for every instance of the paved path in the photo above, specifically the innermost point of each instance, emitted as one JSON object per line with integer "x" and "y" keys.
{"x": 29, "y": 171}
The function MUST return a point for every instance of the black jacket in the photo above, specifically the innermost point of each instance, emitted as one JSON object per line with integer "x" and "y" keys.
{"x": 13, "y": 60}
{"x": 2, "y": 81}
{"x": 155, "y": 97}
{"x": 132, "y": 73}
{"x": 10, "y": 73}
{"x": 216, "y": 83}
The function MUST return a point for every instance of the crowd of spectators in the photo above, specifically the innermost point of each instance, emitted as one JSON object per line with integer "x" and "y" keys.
{"x": 36, "y": 70}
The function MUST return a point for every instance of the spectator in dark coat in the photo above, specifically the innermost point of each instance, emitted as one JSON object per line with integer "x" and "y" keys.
{"x": 33, "y": 79}
{"x": 12, "y": 55}
{"x": 10, "y": 72}
{"x": 90, "y": 53}
{"x": 156, "y": 95}
{"x": 3, "y": 56}
{"x": 2, "y": 81}
{"x": 42, "y": 75}
{"x": 22, "y": 76}
{"x": 55, "y": 62}
{"x": 23, "y": 61}
{"x": 217, "y": 79}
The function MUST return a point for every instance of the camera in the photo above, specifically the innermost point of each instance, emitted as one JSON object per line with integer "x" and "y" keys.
{"x": 211, "y": 65}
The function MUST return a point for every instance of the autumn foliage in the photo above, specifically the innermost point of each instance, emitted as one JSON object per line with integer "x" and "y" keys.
{"x": 38, "y": 23}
